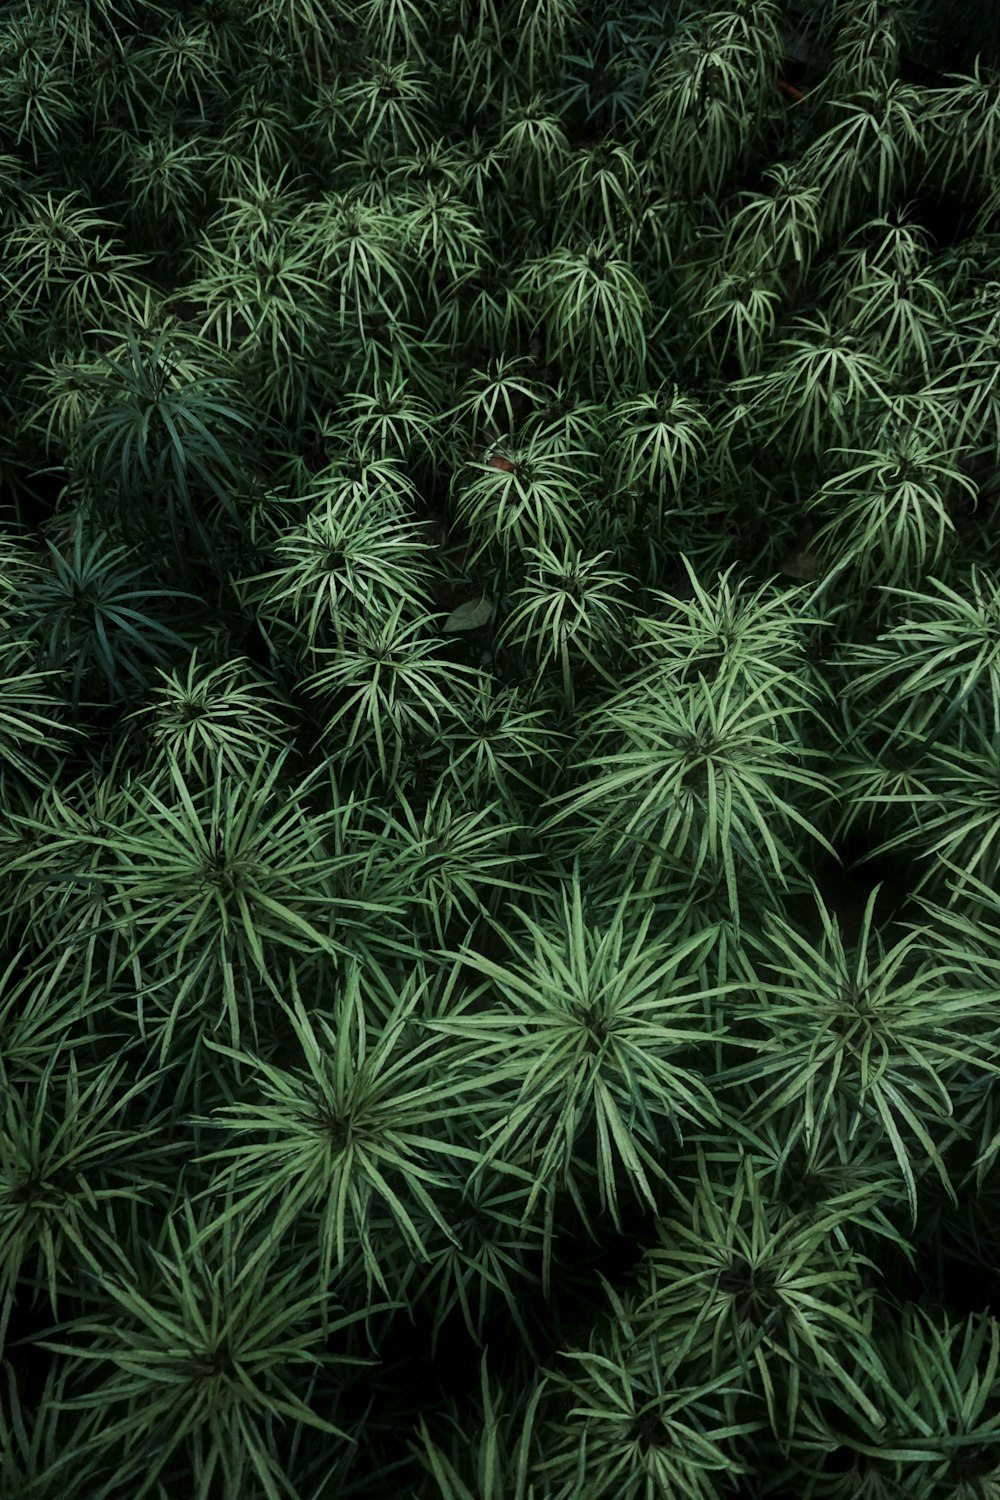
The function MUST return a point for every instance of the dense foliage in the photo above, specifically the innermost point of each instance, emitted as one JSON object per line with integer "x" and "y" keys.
{"x": 499, "y": 750}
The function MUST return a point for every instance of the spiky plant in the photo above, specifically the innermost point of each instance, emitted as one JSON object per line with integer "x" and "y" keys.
{"x": 394, "y": 102}
{"x": 184, "y": 66}
{"x": 165, "y": 436}
{"x": 779, "y": 1308}
{"x": 705, "y": 99}
{"x": 536, "y": 149}
{"x": 495, "y": 397}
{"x": 199, "y": 1359}
{"x": 391, "y": 422}
{"x": 503, "y": 1448}
{"x": 488, "y": 1260}
{"x": 97, "y": 617}
{"x": 780, "y": 229}
{"x": 504, "y": 744}
{"x": 888, "y": 519}
{"x": 607, "y": 81}
{"x": 38, "y": 104}
{"x": 393, "y": 26}
{"x": 451, "y": 860}
{"x": 871, "y": 154}
{"x": 940, "y": 659}
{"x": 207, "y": 713}
{"x": 627, "y": 1418}
{"x": 590, "y": 300}
{"x": 66, "y": 1155}
{"x": 963, "y": 131}
{"x": 60, "y": 271}
{"x": 698, "y": 772}
{"x": 953, "y": 822}
{"x": 37, "y": 1445}
{"x": 821, "y": 383}
{"x": 393, "y": 687}
{"x": 33, "y": 727}
{"x": 885, "y": 1029}
{"x": 751, "y": 637}
{"x": 444, "y": 242}
{"x": 563, "y": 448}
{"x": 600, "y": 191}
{"x": 571, "y": 612}
{"x": 591, "y": 1036}
{"x": 357, "y": 557}
{"x": 941, "y": 1389}
{"x": 360, "y": 249}
{"x": 734, "y": 316}
{"x": 54, "y": 874}
{"x": 342, "y": 1132}
{"x": 479, "y": 81}
{"x": 660, "y": 439}
{"x": 520, "y": 496}
{"x": 208, "y": 880}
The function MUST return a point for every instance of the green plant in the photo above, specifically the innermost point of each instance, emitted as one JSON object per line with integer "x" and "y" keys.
{"x": 202, "y": 1356}
{"x": 954, "y": 820}
{"x": 590, "y": 301}
{"x": 705, "y": 100}
{"x": 779, "y": 230}
{"x": 32, "y": 722}
{"x": 35, "y": 1450}
{"x": 600, "y": 191}
{"x": 782, "y": 1307}
{"x": 355, "y": 559}
{"x": 345, "y": 1130}
{"x": 755, "y": 638}
{"x": 570, "y": 610}
{"x": 38, "y": 105}
{"x": 183, "y": 66}
{"x": 884, "y": 1029}
{"x": 163, "y": 435}
{"x": 451, "y": 860}
{"x": 66, "y": 1155}
{"x": 390, "y": 422}
{"x": 820, "y": 383}
{"x": 56, "y": 269}
{"x": 632, "y": 1422}
{"x": 535, "y": 148}
{"x": 941, "y": 659}
{"x": 394, "y": 682}
{"x": 270, "y": 309}
{"x": 498, "y": 1452}
{"x": 961, "y": 158}
{"x": 660, "y": 437}
{"x": 97, "y": 617}
{"x": 694, "y": 773}
{"x": 501, "y": 745}
{"x": 590, "y": 1026}
{"x": 609, "y": 80}
{"x": 505, "y": 559}
{"x": 360, "y": 249}
{"x": 940, "y": 1391}
{"x": 520, "y": 496}
{"x": 736, "y": 314}
{"x": 208, "y": 880}
{"x": 394, "y": 102}
{"x": 890, "y": 515}
{"x": 211, "y": 713}
{"x": 871, "y": 154}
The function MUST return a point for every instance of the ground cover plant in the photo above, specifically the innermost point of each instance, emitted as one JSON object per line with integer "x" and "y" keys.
{"x": 499, "y": 723}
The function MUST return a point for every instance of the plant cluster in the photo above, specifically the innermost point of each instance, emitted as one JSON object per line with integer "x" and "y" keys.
{"x": 499, "y": 751}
